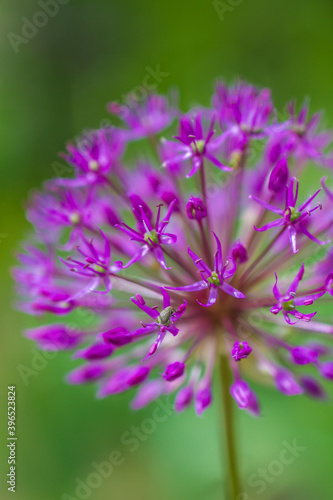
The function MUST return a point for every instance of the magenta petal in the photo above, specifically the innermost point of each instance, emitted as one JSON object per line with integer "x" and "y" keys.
{"x": 199, "y": 263}
{"x": 195, "y": 287}
{"x": 153, "y": 313}
{"x": 166, "y": 298}
{"x": 138, "y": 256}
{"x": 228, "y": 273}
{"x": 291, "y": 198}
{"x": 294, "y": 285}
{"x": 308, "y": 299}
{"x": 158, "y": 252}
{"x": 308, "y": 201}
{"x": 269, "y": 207}
{"x": 276, "y": 292}
{"x": 311, "y": 237}
{"x": 212, "y": 297}
{"x": 292, "y": 238}
{"x": 217, "y": 163}
{"x": 288, "y": 320}
{"x": 276, "y": 223}
{"x": 168, "y": 239}
{"x": 219, "y": 258}
{"x": 173, "y": 330}
{"x": 195, "y": 167}
{"x": 232, "y": 291}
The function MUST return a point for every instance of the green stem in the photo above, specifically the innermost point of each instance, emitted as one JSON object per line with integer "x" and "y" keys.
{"x": 233, "y": 488}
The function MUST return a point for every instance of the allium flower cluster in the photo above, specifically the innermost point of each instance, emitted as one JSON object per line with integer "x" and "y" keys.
{"x": 161, "y": 257}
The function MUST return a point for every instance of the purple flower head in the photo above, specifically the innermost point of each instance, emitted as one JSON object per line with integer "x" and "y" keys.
{"x": 96, "y": 264}
{"x": 195, "y": 209}
{"x": 196, "y": 145}
{"x": 243, "y": 109}
{"x": 289, "y": 302}
{"x": 127, "y": 249}
{"x": 143, "y": 119}
{"x": 241, "y": 350}
{"x": 306, "y": 142}
{"x": 62, "y": 208}
{"x": 292, "y": 218}
{"x": 37, "y": 269}
{"x": 94, "y": 156}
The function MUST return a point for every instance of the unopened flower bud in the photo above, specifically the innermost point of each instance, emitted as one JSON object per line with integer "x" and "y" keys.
{"x": 139, "y": 375}
{"x": 239, "y": 253}
{"x": 326, "y": 370}
{"x": 184, "y": 398}
{"x": 279, "y": 177}
{"x": 286, "y": 383}
{"x": 173, "y": 371}
{"x": 203, "y": 399}
{"x": 241, "y": 350}
{"x": 303, "y": 355}
{"x": 196, "y": 209}
{"x": 240, "y": 391}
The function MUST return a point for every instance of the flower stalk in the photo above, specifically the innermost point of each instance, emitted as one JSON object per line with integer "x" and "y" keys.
{"x": 230, "y": 471}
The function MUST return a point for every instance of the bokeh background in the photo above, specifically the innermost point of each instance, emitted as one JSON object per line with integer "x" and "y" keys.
{"x": 51, "y": 88}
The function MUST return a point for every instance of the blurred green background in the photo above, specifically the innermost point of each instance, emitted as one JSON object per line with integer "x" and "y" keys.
{"x": 50, "y": 89}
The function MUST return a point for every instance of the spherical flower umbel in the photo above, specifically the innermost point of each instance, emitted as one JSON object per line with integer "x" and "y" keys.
{"x": 176, "y": 271}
